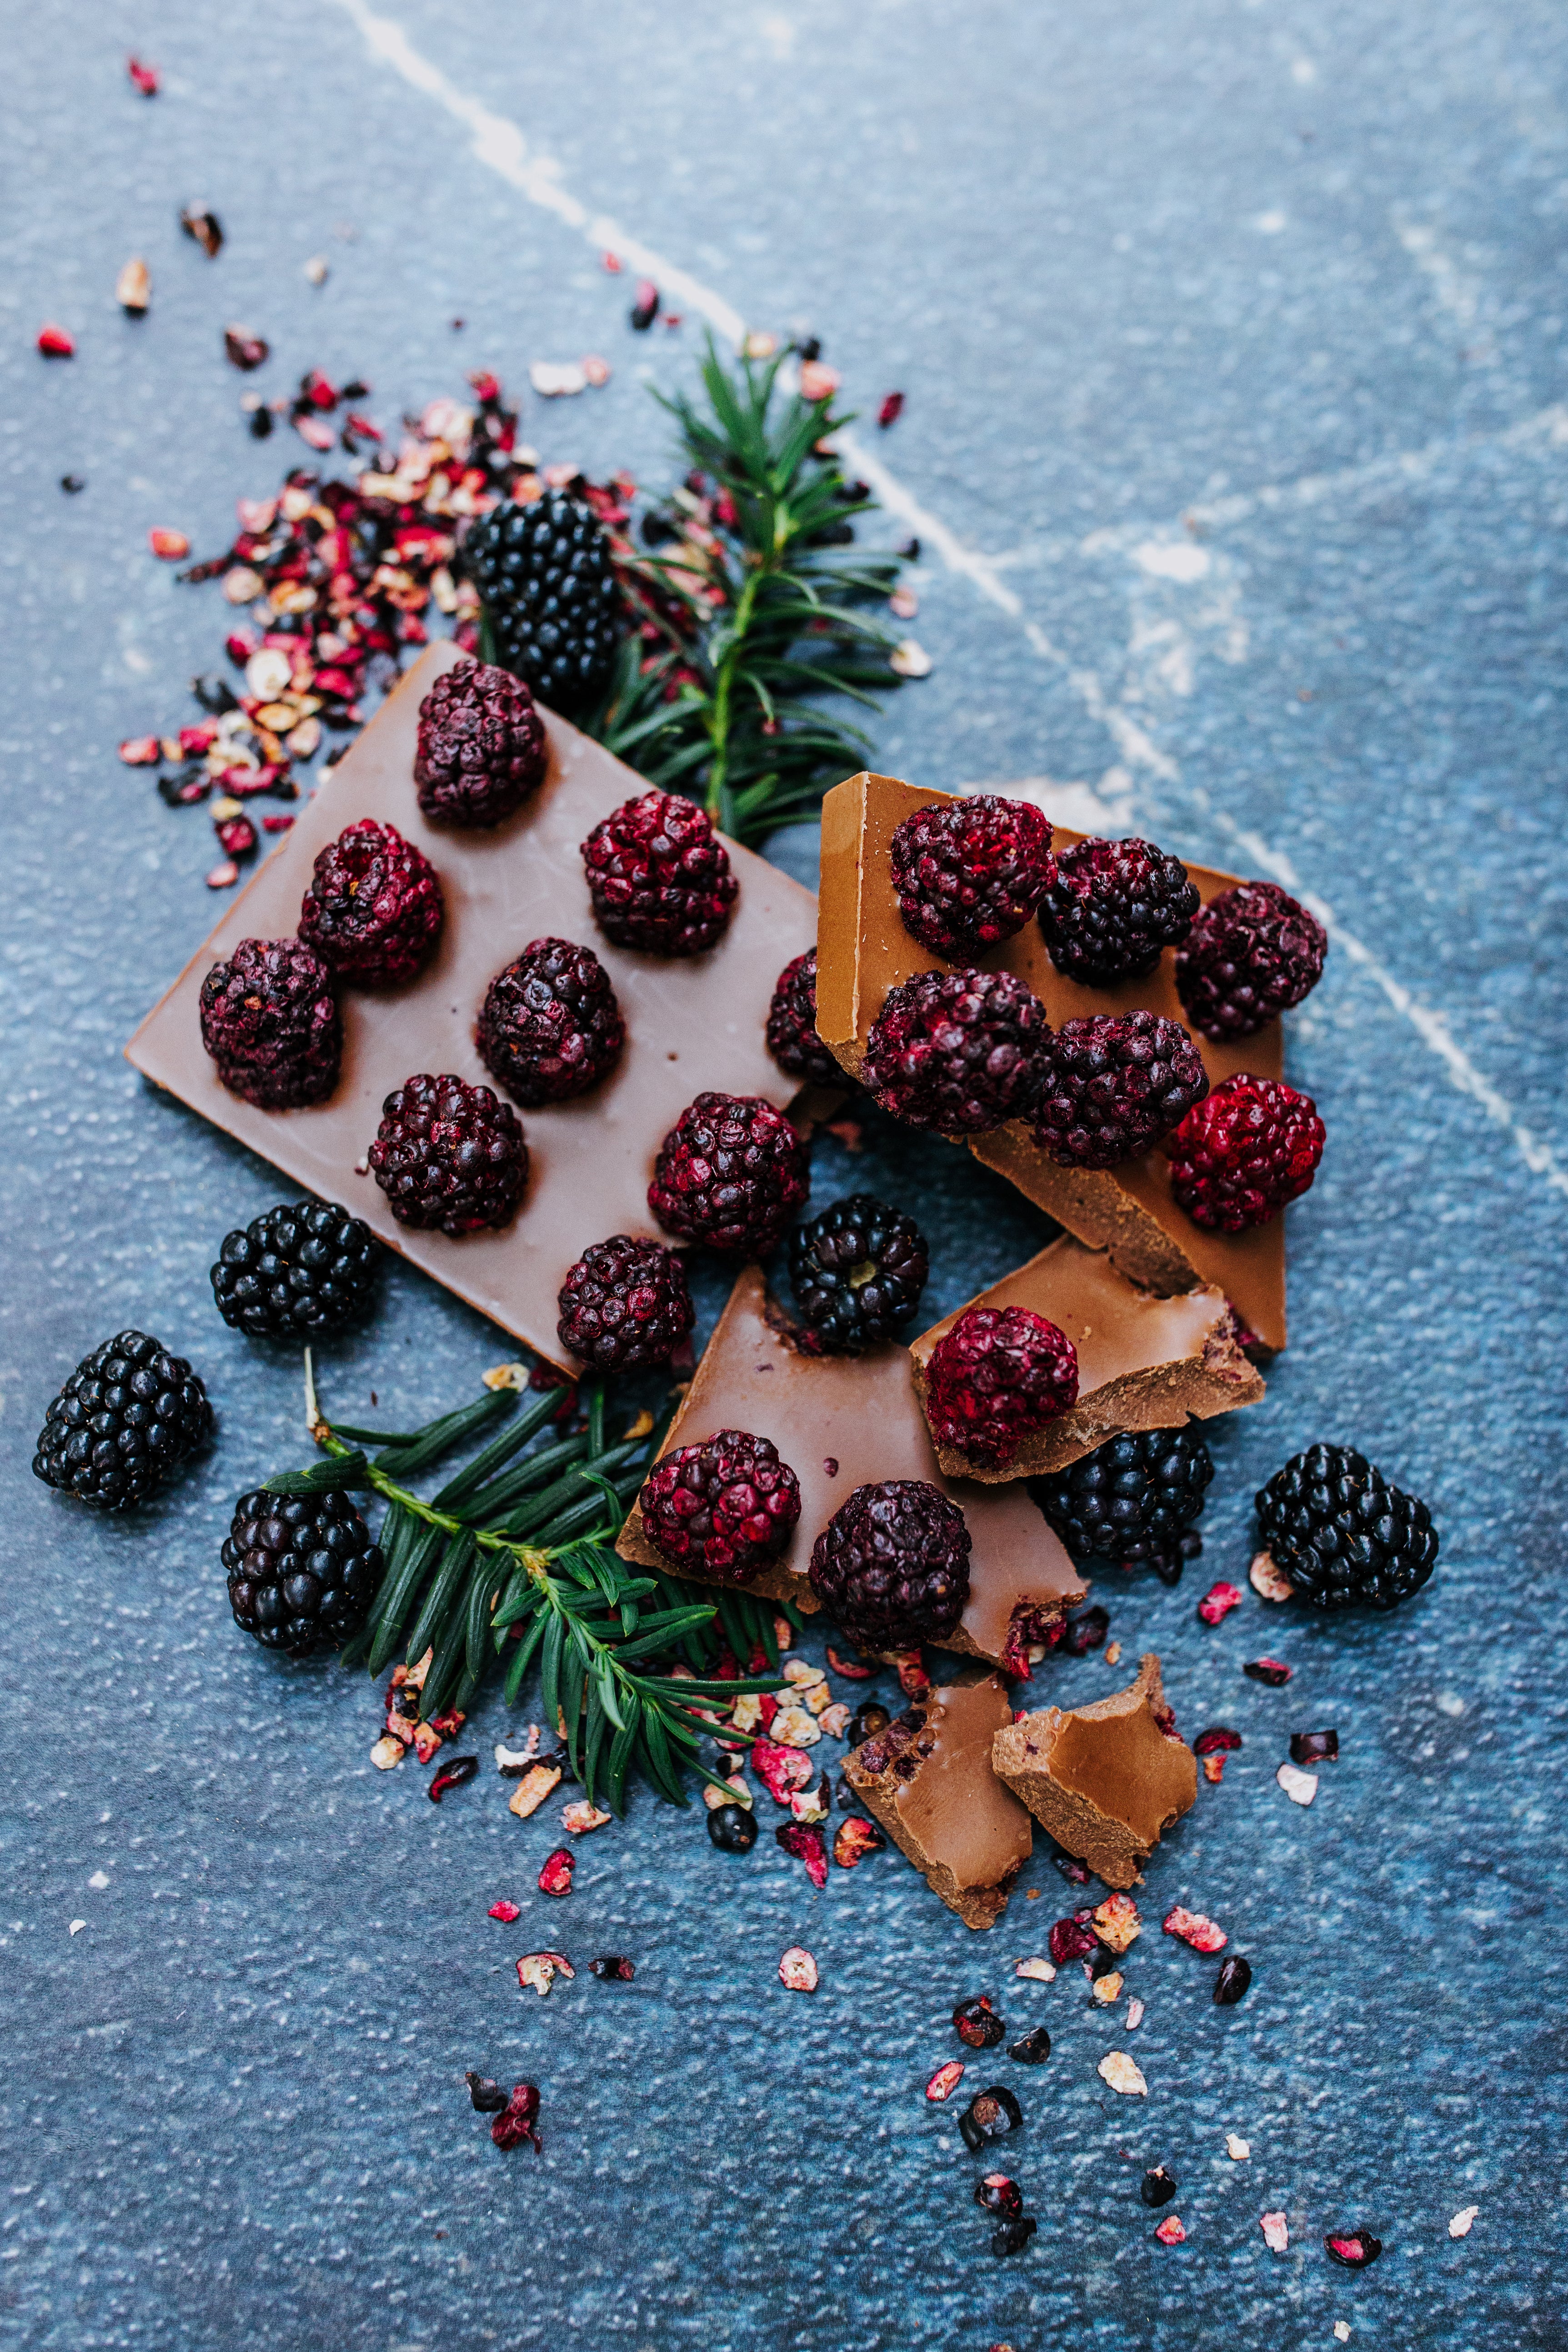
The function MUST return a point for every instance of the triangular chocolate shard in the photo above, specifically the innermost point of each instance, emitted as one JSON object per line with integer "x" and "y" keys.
{"x": 1106, "y": 1781}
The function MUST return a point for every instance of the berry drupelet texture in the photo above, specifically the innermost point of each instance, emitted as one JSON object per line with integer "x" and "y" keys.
{"x": 857, "y": 1272}
{"x": 971, "y": 872}
{"x": 959, "y": 1051}
{"x": 270, "y": 1022}
{"x": 302, "y": 1571}
{"x": 548, "y": 585}
{"x": 730, "y": 1173}
{"x": 449, "y": 1156}
{"x": 1113, "y": 1086}
{"x": 725, "y": 1508}
{"x": 1342, "y": 1534}
{"x": 893, "y": 1565}
{"x": 625, "y": 1305}
{"x": 1134, "y": 1500}
{"x": 792, "y": 1038}
{"x": 549, "y": 1027}
{"x": 1112, "y": 908}
{"x": 375, "y": 908}
{"x": 659, "y": 876}
{"x": 304, "y": 1268}
{"x": 1239, "y": 1155}
{"x": 482, "y": 748}
{"x": 997, "y": 1377}
{"x": 1252, "y": 952}
{"x": 126, "y": 1419}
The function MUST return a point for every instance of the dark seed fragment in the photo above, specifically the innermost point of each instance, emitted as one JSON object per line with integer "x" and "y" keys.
{"x": 1230, "y": 1985}
{"x": 1086, "y": 1631}
{"x": 1014, "y": 2236}
{"x": 732, "y": 1828}
{"x": 1355, "y": 2249}
{"x": 998, "y": 2194}
{"x": 1268, "y": 1670}
{"x": 452, "y": 1775}
{"x": 991, "y": 2116}
{"x": 72, "y": 483}
{"x": 1314, "y": 1747}
{"x": 1158, "y": 2187}
{"x": 1033, "y": 2050}
{"x": 978, "y": 2024}
{"x": 487, "y": 2094}
{"x": 867, "y": 1720}
{"x": 612, "y": 1965}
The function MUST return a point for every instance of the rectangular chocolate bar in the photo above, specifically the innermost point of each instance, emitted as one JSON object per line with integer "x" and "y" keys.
{"x": 691, "y": 1022}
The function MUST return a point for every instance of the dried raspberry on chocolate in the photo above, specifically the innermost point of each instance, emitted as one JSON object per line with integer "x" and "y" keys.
{"x": 482, "y": 747}
{"x": 730, "y": 1173}
{"x": 625, "y": 1305}
{"x": 961, "y": 1052}
{"x": 1252, "y": 954}
{"x": 727, "y": 1508}
{"x": 1241, "y": 1154}
{"x": 449, "y": 1156}
{"x": 550, "y": 1027}
{"x": 997, "y": 1377}
{"x": 1112, "y": 908}
{"x": 792, "y": 1038}
{"x": 1113, "y": 1085}
{"x": 660, "y": 877}
{"x": 375, "y": 908}
{"x": 893, "y": 1565}
{"x": 269, "y": 1020}
{"x": 971, "y": 872}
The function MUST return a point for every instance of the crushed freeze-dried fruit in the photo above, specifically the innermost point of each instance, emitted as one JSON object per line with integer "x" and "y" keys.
{"x": 1193, "y": 1928}
{"x": 1014, "y": 2236}
{"x": 1314, "y": 1747}
{"x": 1276, "y": 2232}
{"x": 1238, "y": 2149}
{"x": 485, "y": 2093}
{"x": 555, "y": 1878}
{"x": 1170, "y": 2231}
{"x": 945, "y": 2081}
{"x": 1040, "y": 1971}
{"x": 856, "y": 1838}
{"x": 806, "y": 1844}
{"x": 1355, "y": 2249}
{"x": 452, "y": 1775}
{"x": 520, "y": 2121}
{"x": 990, "y": 2115}
{"x": 997, "y": 2194}
{"x": 1273, "y": 1671}
{"x": 1217, "y": 1740}
{"x": 1461, "y": 2225}
{"x": 780, "y": 1769}
{"x": 581, "y": 1818}
{"x": 798, "y": 1970}
{"x": 1269, "y": 1582}
{"x": 1108, "y": 1989}
{"x": 978, "y": 2024}
{"x": 505, "y": 1912}
{"x": 1116, "y": 1922}
{"x": 531, "y": 1790}
{"x": 1218, "y": 1602}
{"x": 537, "y": 1971}
{"x": 1072, "y": 1939}
{"x": 1300, "y": 1787}
{"x": 612, "y": 1966}
{"x": 1122, "y": 2073}
{"x": 1033, "y": 2050}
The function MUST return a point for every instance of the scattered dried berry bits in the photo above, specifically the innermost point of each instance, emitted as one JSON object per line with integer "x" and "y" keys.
{"x": 1276, "y": 2232}
{"x": 945, "y": 2081}
{"x": 520, "y": 2121}
{"x": 612, "y": 1967}
{"x": 856, "y": 1838}
{"x": 1233, "y": 1982}
{"x": 990, "y": 2115}
{"x": 1356, "y": 2250}
{"x": 1033, "y": 2050}
{"x": 555, "y": 1878}
{"x": 452, "y": 1775}
{"x": 1314, "y": 1747}
{"x": 1170, "y": 2231}
{"x": 1271, "y": 1671}
{"x": 505, "y": 1912}
{"x": 797, "y": 1971}
{"x": 1218, "y": 1602}
{"x": 806, "y": 1844}
{"x": 1158, "y": 2187}
{"x": 1013, "y": 2236}
{"x": 488, "y": 2096}
{"x": 1193, "y": 1928}
{"x": 977, "y": 2024}
{"x": 1122, "y": 2073}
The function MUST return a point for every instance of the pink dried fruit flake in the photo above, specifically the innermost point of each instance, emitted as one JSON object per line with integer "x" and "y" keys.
{"x": 807, "y": 1845}
{"x": 55, "y": 344}
{"x": 505, "y": 1912}
{"x": 945, "y": 2081}
{"x": 857, "y": 1837}
{"x": 1193, "y": 1928}
{"x": 169, "y": 546}
{"x": 141, "y": 750}
{"x": 1276, "y": 2232}
{"x": 1170, "y": 2231}
{"x": 1355, "y": 2250}
{"x": 143, "y": 75}
{"x": 1072, "y": 1939}
{"x": 555, "y": 1878}
{"x": 1218, "y": 1602}
{"x": 797, "y": 1971}
{"x": 1219, "y": 1739}
{"x": 1117, "y": 1923}
{"x": 519, "y": 2118}
{"x": 780, "y": 1769}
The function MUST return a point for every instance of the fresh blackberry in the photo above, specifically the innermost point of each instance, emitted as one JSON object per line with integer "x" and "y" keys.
{"x": 449, "y": 1155}
{"x": 1252, "y": 952}
{"x": 730, "y": 1173}
{"x": 959, "y": 1051}
{"x": 127, "y": 1418}
{"x": 303, "y": 1268}
{"x": 727, "y": 1508}
{"x": 792, "y": 1038}
{"x": 1113, "y": 1086}
{"x": 302, "y": 1571}
{"x": 1112, "y": 908}
{"x": 1239, "y": 1155}
{"x": 550, "y": 1027}
{"x": 857, "y": 1272}
{"x": 269, "y": 1020}
{"x": 375, "y": 908}
{"x": 482, "y": 748}
{"x": 625, "y": 1305}
{"x": 997, "y": 1377}
{"x": 970, "y": 872}
{"x": 1133, "y": 1500}
{"x": 545, "y": 573}
{"x": 659, "y": 876}
{"x": 893, "y": 1565}
{"x": 1333, "y": 1524}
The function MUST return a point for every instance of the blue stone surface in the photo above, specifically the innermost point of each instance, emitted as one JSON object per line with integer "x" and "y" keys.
{"x": 1233, "y": 343}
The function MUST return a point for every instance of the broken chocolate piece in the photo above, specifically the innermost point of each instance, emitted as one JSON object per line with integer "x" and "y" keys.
{"x": 865, "y": 1408}
{"x": 928, "y": 1781}
{"x": 864, "y": 951}
{"x": 1106, "y": 1781}
{"x": 1143, "y": 1362}
{"x": 690, "y": 1027}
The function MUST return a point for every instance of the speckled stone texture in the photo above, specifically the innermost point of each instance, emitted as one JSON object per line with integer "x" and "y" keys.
{"x": 1233, "y": 334}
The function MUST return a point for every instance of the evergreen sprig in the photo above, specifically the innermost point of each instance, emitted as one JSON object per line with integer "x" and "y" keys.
{"x": 520, "y": 1554}
{"x": 755, "y": 615}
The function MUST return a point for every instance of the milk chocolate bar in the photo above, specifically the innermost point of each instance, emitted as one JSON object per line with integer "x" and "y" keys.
{"x": 1144, "y": 1361}
{"x": 691, "y": 1023}
{"x": 844, "y": 1421}
{"x": 864, "y": 951}
{"x": 928, "y": 1781}
{"x": 1106, "y": 1781}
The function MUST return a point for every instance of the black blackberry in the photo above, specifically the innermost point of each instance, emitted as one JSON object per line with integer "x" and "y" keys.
{"x": 302, "y": 1571}
{"x": 857, "y": 1272}
{"x": 893, "y": 1565}
{"x": 127, "y": 1417}
{"x": 305, "y": 1267}
{"x": 1342, "y": 1534}
{"x": 1133, "y": 1500}
{"x": 545, "y": 573}
{"x": 1113, "y": 907}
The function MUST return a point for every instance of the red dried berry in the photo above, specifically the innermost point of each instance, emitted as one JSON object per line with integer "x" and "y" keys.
{"x": 1218, "y": 1602}
{"x": 806, "y": 1844}
{"x": 1238, "y": 1157}
{"x": 375, "y": 908}
{"x": 145, "y": 77}
{"x": 505, "y": 1912}
{"x": 891, "y": 409}
{"x": 1218, "y": 1741}
{"x": 1112, "y": 1086}
{"x": 961, "y": 1052}
{"x": 519, "y": 2120}
{"x": 550, "y": 1027}
{"x": 452, "y": 1775}
{"x": 1073, "y": 1939}
{"x": 1314, "y": 1747}
{"x": 730, "y": 1173}
{"x": 727, "y": 1508}
{"x": 1112, "y": 908}
{"x": 482, "y": 747}
{"x": 893, "y": 1565}
{"x": 555, "y": 1878}
{"x": 970, "y": 872}
{"x": 781, "y": 1770}
{"x": 55, "y": 344}
{"x": 1273, "y": 1671}
{"x": 1355, "y": 2249}
{"x": 245, "y": 349}
{"x": 998, "y": 1375}
{"x": 269, "y": 1020}
{"x": 792, "y": 1038}
{"x": 1252, "y": 952}
{"x": 660, "y": 877}
{"x": 625, "y": 1306}
{"x": 856, "y": 1838}
{"x": 449, "y": 1156}
{"x": 237, "y": 836}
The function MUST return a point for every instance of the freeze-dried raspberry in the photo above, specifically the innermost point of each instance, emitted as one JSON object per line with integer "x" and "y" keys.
{"x": 959, "y": 1051}
{"x": 1112, "y": 1086}
{"x": 1112, "y": 908}
{"x": 550, "y": 1027}
{"x": 725, "y": 1508}
{"x": 998, "y": 1375}
{"x": 792, "y": 1038}
{"x": 970, "y": 872}
{"x": 375, "y": 908}
{"x": 730, "y": 1173}
{"x": 660, "y": 877}
{"x": 269, "y": 1020}
{"x": 1237, "y": 1158}
{"x": 1252, "y": 952}
{"x": 482, "y": 747}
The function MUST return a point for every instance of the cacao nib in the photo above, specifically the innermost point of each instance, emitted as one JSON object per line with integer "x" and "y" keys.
{"x": 452, "y": 1775}
{"x": 1268, "y": 1670}
{"x": 1231, "y": 1984}
{"x": 1314, "y": 1747}
{"x": 1156, "y": 2186}
{"x": 519, "y": 2120}
{"x": 978, "y": 2024}
{"x": 1013, "y": 2236}
{"x": 1033, "y": 2050}
{"x": 806, "y": 1844}
{"x": 989, "y": 2115}
{"x": 611, "y": 1964}
{"x": 997, "y": 2194}
{"x": 487, "y": 2094}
